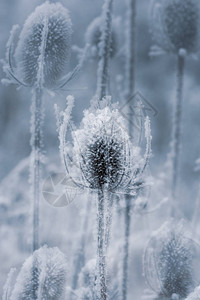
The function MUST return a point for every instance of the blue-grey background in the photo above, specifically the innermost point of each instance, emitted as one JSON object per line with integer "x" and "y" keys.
{"x": 155, "y": 80}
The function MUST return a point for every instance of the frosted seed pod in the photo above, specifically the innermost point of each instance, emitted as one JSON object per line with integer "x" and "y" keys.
{"x": 93, "y": 37}
{"x": 42, "y": 276}
{"x": 101, "y": 148}
{"x": 175, "y": 25}
{"x": 44, "y": 45}
{"x": 169, "y": 262}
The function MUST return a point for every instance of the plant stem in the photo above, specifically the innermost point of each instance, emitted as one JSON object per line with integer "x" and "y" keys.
{"x": 130, "y": 48}
{"x": 103, "y": 67}
{"x": 100, "y": 247}
{"x": 36, "y": 145}
{"x": 130, "y": 84}
{"x": 176, "y": 141}
{"x": 126, "y": 248}
{"x": 80, "y": 259}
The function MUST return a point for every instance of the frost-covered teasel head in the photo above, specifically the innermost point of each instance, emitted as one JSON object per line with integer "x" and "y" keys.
{"x": 175, "y": 25}
{"x": 93, "y": 37}
{"x": 43, "y": 48}
{"x": 42, "y": 276}
{"x": 169, "y": 261}
{"x": 102, "y": 154}
{"x": 101, "y": 148}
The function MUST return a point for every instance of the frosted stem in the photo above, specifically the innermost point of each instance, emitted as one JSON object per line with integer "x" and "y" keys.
{"x": 126, "y": 249}
{"x": 176, "y": 142}
{"x": 130, "y": 84}
{"x": 103, "y": 67}
{"x": 36, "y": 145}
{"x": 195, "y": 218}
{"x": 130, "y": 47}
{"x": 100, "y": 248}
{"x": 80, "y": 258}
{"x": 109, "y": 207}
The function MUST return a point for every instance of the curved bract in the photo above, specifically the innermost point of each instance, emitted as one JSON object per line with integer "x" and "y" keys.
{"x": 44, "y": 44}
{"x": 175, "y": 25}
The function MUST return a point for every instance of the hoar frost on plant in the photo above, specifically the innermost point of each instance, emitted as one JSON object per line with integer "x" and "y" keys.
{"x": 102, "y": 154}
{"x": 43, "y": 48}
{"x": 169, "y": 261}
{"x": 42, "y": 276}
{"x": 175, "y": 25}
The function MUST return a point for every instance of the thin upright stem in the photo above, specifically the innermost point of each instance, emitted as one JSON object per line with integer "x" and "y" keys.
{"x": 103, "y": 67}
{"x": 127, "y": 217}
{"x": 130, "y": 85}
{"x": 101, "y": 248}
{"x": 36, "y": 145}
{"x": 176, "y": 141}
{"x": 80, "y": 257}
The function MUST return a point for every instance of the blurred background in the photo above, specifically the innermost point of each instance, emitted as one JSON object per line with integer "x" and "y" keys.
{"x": 155, "y": 80}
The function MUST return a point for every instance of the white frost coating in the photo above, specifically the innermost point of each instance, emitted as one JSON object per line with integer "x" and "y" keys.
{"x": 43, "y": 275}
{"x": 45, "y": 41}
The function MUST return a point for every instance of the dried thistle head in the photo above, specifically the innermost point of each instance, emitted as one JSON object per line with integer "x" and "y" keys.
{"x": 43, "y": 48}
{"x": 101, "y": 154}
{"x": 42, "y": 276}
{"x": 101, "y": 148}
{"x": 175, "y": 25}
{"x": 169, "y": 262}
{"x": 93, "y": 37}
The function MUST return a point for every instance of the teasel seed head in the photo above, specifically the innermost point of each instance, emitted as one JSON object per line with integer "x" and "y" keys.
{"x": 175, "y": 25}
{"x": 43, "y": 49}
{"x": 169, "y": 261}
{"x": 101, "y": 148}
{"x": 43, "y": 275}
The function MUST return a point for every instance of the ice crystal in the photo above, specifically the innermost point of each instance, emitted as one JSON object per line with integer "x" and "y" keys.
{"x": 168, "y": 261}
{"x": 42, "y": 276}
{"x": 93, "y": 37}
{"x": 175, "y": 25}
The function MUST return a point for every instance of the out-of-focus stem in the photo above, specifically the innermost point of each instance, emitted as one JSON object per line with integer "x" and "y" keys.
{"x": 176, "y": 139}
{"x": 36, "y": 145}
{"x": 103, "y": 67}
{"x": 80, "y": 259}
{"x": 130, "y": 84}
{"x": 101, "y": 248}
{"x": 127, "y": 217}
